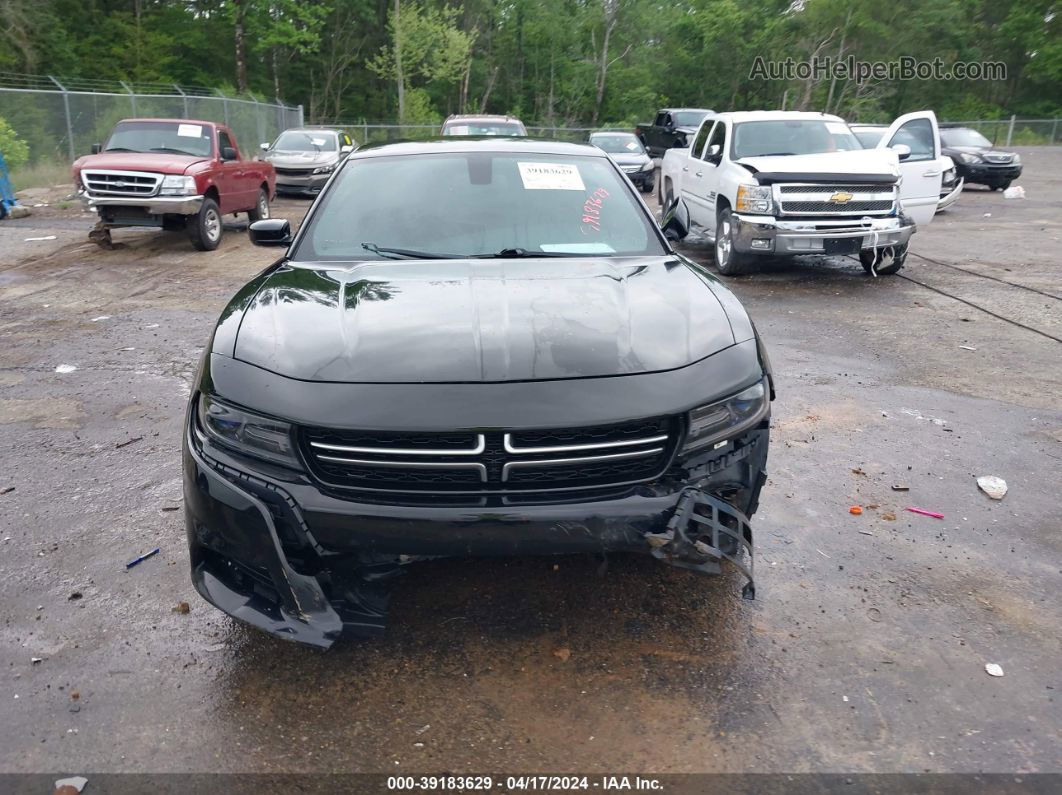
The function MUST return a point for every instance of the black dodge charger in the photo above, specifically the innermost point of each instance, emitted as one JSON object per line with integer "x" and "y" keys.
{"x": 470, "y": 347}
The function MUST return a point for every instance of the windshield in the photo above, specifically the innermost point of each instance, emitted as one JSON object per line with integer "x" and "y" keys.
{"x": 792, "y": 137}
{"x": 869, "y": 138}
{"x": 485, "y": 128}
{"x": 178, "y": 138}
{"x": 688, "y": 118}
{"x": 618, "y": 143}
{"x": 964, "y": 138}
{"x": 305, "y": 141}
{"x": 475, "y": 204}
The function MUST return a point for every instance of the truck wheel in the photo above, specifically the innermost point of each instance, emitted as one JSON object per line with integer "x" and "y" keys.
{"x": 728, "y": 259}
{"x": 204, "y": 228}
{"x": 889, "y": 259}
{"x": 261, "y": 207}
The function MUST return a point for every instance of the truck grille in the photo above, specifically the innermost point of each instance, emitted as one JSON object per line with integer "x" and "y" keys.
{"x": 490, "y": 462}
{"x": 121, "y": 183}
{"x": 812, "y": 199}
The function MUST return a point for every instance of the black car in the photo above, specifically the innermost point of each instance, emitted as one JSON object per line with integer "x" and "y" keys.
{"x": 630, "y": 156}
{"x": 977, "y": 160}
{"x": 498, "y": 354}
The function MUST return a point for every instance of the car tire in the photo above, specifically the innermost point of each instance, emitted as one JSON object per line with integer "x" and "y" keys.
{"x": 1005, "y": 185}
{"x": 261, "y": 207}
{"x": 648, "y": 187}
{"x": 728, "y": 259}
{"x": 887, "y": 267}
{"x": 205, "y": 227}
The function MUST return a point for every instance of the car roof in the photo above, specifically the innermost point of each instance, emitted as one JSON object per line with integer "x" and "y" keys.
{"x": 481, "y": 117}
{"x": 776, "y": 115}
{"x": 490, "y": 143}
{"x": 175, "y": 121}
{"x": 679, "y": 110}
{"x": 313, "y": 129}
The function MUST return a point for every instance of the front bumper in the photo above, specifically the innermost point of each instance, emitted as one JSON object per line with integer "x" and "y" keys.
{"x": 988, "y": 174}
{"x": 948, "y": 199}
{"x": 270, "y": 548}
{"x": 641, "y": 178}
{"x": 764, "y": 234}
{"x": 149, "y": 205}
{"x": 308, "y": 184}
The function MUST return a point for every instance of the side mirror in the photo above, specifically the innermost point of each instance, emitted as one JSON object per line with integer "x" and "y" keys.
{"x": 228, "y": 153}
{"x": 264, "y": 147}
{"x": 97, "y": 148}
{"x": 903, "y": 150}
{"x": 714, "y": 153}
{"x": 346, "y": 150}
{"x": 675, "y": 221}
{"x": 271, "y": 232}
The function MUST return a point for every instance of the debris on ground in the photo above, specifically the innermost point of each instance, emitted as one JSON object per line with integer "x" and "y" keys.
{"x": 993, "y": 669}
{"x": 422, "y": 729}
{"x": 993, "y": 486}
{"x": 924, "y": 512}
{"x": 988, "y": 215}
{"x": 101, "y": 317}
{"x": 1014, "y": 192}
{"x": 855, "y": 510}
{"x": 563, "y": 653}
{"x": 38, "y": 239}
{"x": 142, "y": 558}
{"x": 36, "y": 660}
{"x": 70, "y": 786}
{"x": 128, "y": 442}
{"x": 7, "y": 489}
{"x": 968, "y": 347}
{"x": 858, "y": 471}
{"x": 900, "y": 487}
{"x": 18, "y": 211}
{"x": 66, "y": 368}
{"x": 74, "y": 596}
{"x": 889, "y": 516}
{"x": 182, "y": 608}
{"x": 866, "y": 532}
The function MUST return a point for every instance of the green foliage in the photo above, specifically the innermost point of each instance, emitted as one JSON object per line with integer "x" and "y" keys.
{"x": 541, "y": 59}
{"x": 14, "y": 149}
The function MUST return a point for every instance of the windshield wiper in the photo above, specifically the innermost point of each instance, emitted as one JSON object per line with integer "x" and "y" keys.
{"x": 516, "y": 253}
{"x": 775, "y": 154}
{"x": 171, "y": 150}
{"x": 119, "y": 149}
{"x": 405, "y": 253}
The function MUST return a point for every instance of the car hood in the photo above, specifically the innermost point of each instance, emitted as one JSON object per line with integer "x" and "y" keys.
{"x": 862, "y": 161}
{"x": 483, "y": 320}
{"x": 158, "y": 162}
{"x": 632, "y": 159}
{"x": 300, "y": 159}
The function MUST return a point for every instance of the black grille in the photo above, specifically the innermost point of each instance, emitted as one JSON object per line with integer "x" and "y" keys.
{"x": 833, "y": 207}
{"x": 295, "y": 172}
{"x": 490, "y": 462}
{"x": 856, "y": 189}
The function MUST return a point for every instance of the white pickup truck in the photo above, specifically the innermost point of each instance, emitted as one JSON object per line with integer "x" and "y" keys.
{"x": 785, "y": 183}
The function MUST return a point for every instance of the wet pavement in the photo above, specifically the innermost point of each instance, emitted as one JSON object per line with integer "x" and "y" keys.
{"x": 864, "y": 651}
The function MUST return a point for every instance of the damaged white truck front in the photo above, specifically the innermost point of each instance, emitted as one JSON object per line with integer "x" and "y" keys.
{"x": 781, "y": 183}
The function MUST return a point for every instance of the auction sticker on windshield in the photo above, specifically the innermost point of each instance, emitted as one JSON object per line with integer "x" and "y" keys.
{"x": 190, "y": 130}
{"x": 550, "y": 176}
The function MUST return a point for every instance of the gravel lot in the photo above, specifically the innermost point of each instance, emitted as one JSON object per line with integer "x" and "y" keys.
{"x": 865, "y": 650}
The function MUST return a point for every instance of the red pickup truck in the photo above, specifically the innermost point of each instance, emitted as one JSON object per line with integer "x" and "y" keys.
{"x": 174, "y": 174}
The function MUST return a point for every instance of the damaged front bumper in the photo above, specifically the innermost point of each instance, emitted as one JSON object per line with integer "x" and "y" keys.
{"x": 271, "y": 549}
{"x": 763, "y": 234}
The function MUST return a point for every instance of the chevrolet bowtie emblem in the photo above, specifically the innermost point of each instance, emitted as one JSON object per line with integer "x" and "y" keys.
{"x": 840, "y": 198}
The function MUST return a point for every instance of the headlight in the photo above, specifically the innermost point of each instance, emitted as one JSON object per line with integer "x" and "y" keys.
{"x": 173, "y": 185}
{"x": 247, "y": 433}
{"x": 1017, "y": 160}
{"x": 949, "y": 176}
{"x": 967, "y": 157}
{"x": 325, "y": 169}
{"x": 754, "y": 199}
{"x": 718, "y": 421}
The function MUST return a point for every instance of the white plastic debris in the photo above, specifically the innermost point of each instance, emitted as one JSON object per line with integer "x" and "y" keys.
{"x": 77, "y": 782}
{"x": 65, "y": 368}
{"x": 993, "y": 669}
{"x": 994, "y": 487}
{"x": 101, "y": 317}
{"x": 1014, "y": 192}
{"x": 35, "y": 239}
{"x": 988, "y": 215}
{"x": 968, "y": 347}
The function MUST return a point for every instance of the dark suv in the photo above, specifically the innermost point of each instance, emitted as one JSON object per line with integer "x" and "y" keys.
{"x": 500, "y": 354}
{"x": 977, "y": 160}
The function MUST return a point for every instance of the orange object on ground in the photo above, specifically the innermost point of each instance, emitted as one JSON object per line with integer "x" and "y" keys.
{"x": 856, "y": 510}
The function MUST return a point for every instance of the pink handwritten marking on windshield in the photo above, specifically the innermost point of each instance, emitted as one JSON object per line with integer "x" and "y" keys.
{"x": 592, "y": 210}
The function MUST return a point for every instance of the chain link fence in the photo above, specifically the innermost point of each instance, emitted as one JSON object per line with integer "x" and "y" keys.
{"x": 60, "y": 118}
{"x": 1002, "y": 132}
